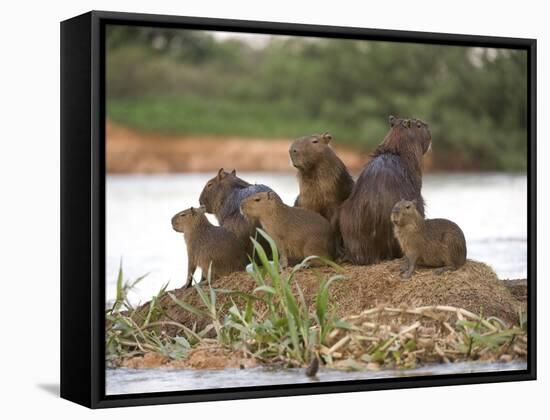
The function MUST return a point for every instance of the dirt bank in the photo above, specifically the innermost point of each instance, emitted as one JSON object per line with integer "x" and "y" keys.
{"x": 474, "y": 287}
{"x": 518, "y": 288}
{"x": 131, "y": 151}
{"x": 204, "y": 357}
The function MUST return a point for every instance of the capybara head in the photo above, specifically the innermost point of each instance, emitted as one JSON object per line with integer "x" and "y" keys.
{"x": 404, "y": 212}
{"x": 218, "y": 188}
{"x": 260, "y": 204}
{"x": 185, "y": 220}
{"x": 306, "y": 152}
{"x": 407, "y": 134}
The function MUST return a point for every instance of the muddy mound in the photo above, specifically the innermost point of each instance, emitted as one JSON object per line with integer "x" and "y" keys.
{"x": 474, "y": 287}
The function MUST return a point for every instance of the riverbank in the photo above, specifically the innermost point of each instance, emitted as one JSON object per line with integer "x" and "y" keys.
{"x": 350, "y": 317}
{"x": 133, "y": 151}
{"x": 474, "y": 287}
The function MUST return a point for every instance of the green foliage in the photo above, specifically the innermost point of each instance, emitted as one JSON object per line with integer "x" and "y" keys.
{"x": 173, "y": 114}
{"x": 477, "y": 339}
{"x": 122, "y": 289}
{"x": 181, "y": 81}
{"x": 124, "y": 337}
{"x": 274, "y": 325}
{"x": 522, "y": 317}
{"x": 287, "y": 331}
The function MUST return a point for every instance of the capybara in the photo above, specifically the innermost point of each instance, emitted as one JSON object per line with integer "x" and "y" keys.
{"x": 394, "y": 172}
{"x": 208, "y": 244}
{"x": 427, "y": 242}
{"x": 298, "y": 232}
{"x": 222, "y": 196}
{"x": 323, "y": 178}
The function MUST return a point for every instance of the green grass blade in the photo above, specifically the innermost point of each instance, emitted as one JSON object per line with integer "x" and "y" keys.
{"x": 188, "y": 307}
{"x": 266, "y": 289}
{"x": 272, "y": 244}
{"x": 119, "y": 284}
{"x": 212, "y": 290}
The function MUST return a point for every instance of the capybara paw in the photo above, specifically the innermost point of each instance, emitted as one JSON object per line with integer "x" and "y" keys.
{"x": 440, "y": 271}
{"x": 406, "y": 277}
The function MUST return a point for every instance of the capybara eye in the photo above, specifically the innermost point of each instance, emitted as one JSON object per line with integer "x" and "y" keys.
{"x": 209, "y": 185}
{"x": 315, "y": 141}
{"x": 257, "y": 199}
{"x": 408, "y": 206}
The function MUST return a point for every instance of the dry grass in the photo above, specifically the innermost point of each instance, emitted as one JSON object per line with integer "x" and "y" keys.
{"x": 405, "y": 337}
{"x": 347, "y": 317}
{"x": 475, "y": 287}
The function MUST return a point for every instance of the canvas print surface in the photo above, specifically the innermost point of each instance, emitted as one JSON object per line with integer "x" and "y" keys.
{"x": 285, "y": 209}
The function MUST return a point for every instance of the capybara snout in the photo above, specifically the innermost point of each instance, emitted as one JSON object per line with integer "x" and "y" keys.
{"x": 183, "y": 220}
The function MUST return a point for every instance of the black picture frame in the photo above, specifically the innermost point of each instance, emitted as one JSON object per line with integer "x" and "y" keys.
{"x": 83, "y": 208}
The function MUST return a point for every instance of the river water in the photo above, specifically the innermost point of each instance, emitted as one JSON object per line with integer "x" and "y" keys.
{"x": 490, "y": 208}
{"x": 131, "y": 381}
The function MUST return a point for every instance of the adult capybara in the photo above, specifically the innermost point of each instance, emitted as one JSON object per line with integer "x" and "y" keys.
{"x": 208, "y": 245}
{"x": 323, "y": 178}
{"x": 298, "y": 232}
{"x": 427, "y": 242}
{"x": 394, "y": 172}
{"x": 222, "y": 196}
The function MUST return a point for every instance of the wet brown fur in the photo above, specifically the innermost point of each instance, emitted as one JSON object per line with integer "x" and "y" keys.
{"x": 298, "y": 232}
{"x": 323, "y": 178}
{"x": 208, "y": 244}
{"x": 394, "y": 172}
{"x": 427, "y": 242}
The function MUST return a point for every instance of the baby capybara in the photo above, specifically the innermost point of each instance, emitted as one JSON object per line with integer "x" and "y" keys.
{"x": 208, "y": 244}
{"x": 394, "y": 172}
{"x": 222, "y": 196}
{"x": 427, "y": 242}
{"x": 298, "y": 232}
{"x": 323, "y": 178}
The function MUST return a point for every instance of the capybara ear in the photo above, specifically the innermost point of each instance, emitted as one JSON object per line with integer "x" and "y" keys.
{"x": 221, "y": 173}
{"x": 418, "y": 123}
{"x": 192, "y": 210}
{"x": 234, "y": 172}
{"x": 326, "y": 137}
{"x": 392, "y": 119}
{"x": 270, "y": 195}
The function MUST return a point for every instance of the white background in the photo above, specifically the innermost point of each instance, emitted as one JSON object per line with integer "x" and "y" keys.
{"x": 29, "y": 222}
